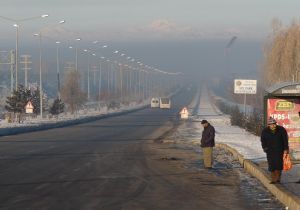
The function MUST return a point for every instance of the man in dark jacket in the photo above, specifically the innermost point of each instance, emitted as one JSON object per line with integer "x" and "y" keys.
{"x": 274, "y": 141}
{"x": 207, "y": 143}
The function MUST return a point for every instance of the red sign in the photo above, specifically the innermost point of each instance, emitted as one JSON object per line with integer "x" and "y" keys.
{"x": 286, "y": 113}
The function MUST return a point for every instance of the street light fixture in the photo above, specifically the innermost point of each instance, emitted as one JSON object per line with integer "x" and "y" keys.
{"x": 94, "y": 68}
{"x": 41, "y": 87}
{"x": 57, "y": 69}
{"x": 88, "y": 75}
{"x": 100, "y": 78}
{"x": 76, "y": 55}
{"x": 39, "y": 35}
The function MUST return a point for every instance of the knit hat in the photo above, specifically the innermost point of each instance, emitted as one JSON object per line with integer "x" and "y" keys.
{"x": 271, "y": 121}
{"x": 204, "y": 121}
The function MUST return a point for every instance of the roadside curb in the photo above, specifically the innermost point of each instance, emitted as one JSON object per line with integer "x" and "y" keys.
{"x": 281, "y": 193}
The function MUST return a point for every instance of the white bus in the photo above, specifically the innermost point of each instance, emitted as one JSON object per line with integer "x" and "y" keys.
{"x": 165, "y": 103}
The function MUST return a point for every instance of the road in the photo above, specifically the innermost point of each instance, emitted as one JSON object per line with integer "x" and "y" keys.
{"x": 113, "y": 163}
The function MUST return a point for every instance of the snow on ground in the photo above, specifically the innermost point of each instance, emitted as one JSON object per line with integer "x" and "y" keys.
{"x": 244, "y": 142}
{"x": 81, "y": 114}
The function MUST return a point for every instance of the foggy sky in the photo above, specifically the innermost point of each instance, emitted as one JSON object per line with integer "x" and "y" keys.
{"x": 156, "y": 19}
{"x": 172, "y": 35}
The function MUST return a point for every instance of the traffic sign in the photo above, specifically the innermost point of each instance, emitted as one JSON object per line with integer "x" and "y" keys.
{"x": 29, "y": 108}
{"x": 245, "y": 86}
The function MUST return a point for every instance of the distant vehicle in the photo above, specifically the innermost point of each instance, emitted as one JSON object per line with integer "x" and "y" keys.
{"x": 165, "y": 103}
{"x": 154, "y": 103}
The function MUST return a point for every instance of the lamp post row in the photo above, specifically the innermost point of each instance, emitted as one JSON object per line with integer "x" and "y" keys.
{"x": 110, "y": 74}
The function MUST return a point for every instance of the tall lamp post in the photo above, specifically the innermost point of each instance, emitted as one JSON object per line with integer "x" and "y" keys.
{"x": 88, "y": 74}
{"x": 57, "y": 69}
{"x": 100, "y": 77}
{"x": 76, "y": 54}
{"x": 17, "y": 26}
{"x": 39, "y": 35}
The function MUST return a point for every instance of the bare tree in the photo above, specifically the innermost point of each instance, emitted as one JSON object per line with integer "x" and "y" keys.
{"x": 71, "y": 92}
{"x": 282, "y": 54}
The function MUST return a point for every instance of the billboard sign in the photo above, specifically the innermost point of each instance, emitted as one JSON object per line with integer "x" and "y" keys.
{"x": 286, "y": 113}
{"x": 245, "y": 86}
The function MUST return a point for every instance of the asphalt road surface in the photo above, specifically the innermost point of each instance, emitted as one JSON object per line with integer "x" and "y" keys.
{"x": 113, "y": 163}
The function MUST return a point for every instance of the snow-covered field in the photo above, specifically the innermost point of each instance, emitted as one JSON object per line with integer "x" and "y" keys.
{"x": 244, "y": 142}
{"x": 81, "y": 114}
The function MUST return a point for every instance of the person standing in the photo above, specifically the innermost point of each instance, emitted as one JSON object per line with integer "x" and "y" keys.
{"x": 274, "y": 141}
{"x": 207, "y": 143}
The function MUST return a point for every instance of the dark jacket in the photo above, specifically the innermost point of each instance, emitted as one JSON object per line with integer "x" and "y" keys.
{"x": 208, "y": 136}
{"x": 274, "y": 143}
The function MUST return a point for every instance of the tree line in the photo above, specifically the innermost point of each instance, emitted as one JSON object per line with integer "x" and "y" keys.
{"x": 71, "y": 95}
{"x": 282, "y": 54}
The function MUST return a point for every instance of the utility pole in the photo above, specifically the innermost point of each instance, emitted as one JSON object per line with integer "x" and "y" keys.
{"x": 94, "y": 70}
{"x": 8, "y": 58}
{"x": 12, "y": 64}
{"x": 25, "y": 59}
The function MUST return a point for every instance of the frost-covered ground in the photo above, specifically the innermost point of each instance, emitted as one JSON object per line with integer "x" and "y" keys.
{"x": 79, "y": 115}
{"x": 244, "y": 142}
{"x": 65, "y": 117}
{"x": 187, "y": 137}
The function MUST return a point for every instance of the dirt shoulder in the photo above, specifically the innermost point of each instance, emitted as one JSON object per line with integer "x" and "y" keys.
{"x": 179, "y": 181}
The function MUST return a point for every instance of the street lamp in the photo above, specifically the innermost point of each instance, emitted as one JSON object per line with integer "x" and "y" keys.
{"x": 57, "y": 69}
{"x": 121, "y": 81}
{"x": 17, "y": 26}
{"x": 108, "y": 75}
{"x": 94, "y": 71}
{"x": 76, "y": 54}
{"x": 100, "y": 77}
{"x": 88, "y": 76}
{"x": 39, "y": 35}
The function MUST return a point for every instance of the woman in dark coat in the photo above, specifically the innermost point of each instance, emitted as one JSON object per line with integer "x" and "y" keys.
{"x": 274, "y": 141}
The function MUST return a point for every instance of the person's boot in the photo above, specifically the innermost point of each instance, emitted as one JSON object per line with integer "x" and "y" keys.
{"x": 273, "y": 177}
{"x": 278, "y": 176}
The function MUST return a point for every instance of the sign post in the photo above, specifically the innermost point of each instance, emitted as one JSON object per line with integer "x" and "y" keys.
{"x": 245, "y": 87}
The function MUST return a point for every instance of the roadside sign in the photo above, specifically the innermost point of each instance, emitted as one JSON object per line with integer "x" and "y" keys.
{"x": 245, "y": 86}
{"x": 29, "y": 108}
{"x": 184, "y": 113}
